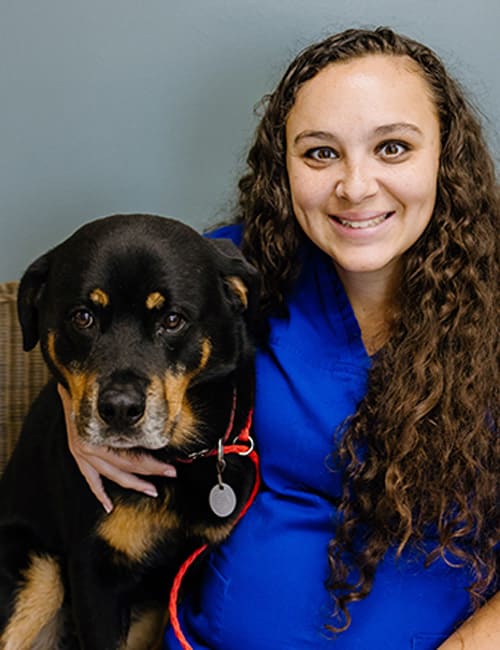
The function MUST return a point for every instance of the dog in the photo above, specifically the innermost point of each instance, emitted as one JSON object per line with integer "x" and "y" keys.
{"x": 149, "y": 326}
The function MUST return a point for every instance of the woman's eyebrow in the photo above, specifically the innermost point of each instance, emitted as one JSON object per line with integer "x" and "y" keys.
{"x": 317, "y": 135}
{"x": 386, "y": 129}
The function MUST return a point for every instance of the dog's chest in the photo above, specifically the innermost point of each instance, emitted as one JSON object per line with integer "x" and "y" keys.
{"x": 134, "y": 530}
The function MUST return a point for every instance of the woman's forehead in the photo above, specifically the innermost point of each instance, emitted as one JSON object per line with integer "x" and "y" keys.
{"x": 379, "y": 89}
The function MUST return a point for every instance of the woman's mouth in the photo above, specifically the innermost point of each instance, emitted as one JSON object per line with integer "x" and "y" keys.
{"x": 360, "y": 224}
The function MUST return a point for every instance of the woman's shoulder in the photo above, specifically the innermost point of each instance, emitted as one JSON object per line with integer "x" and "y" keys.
{"x": 232, "y": 231}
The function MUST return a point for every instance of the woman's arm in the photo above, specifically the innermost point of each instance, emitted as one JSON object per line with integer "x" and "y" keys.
{"x": 94, "y": 462}
{"x": 480, "y": 632}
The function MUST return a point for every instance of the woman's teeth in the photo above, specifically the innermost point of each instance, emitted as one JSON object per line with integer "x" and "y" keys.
{"x": 368, "y": 223}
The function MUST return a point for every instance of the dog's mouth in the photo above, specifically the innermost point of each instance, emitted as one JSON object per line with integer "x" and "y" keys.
{"x": 132, "y": 443}
{"x": 152, "y": 433}
{"x": 149, "y": 435}
{"x": 96, "y": 433}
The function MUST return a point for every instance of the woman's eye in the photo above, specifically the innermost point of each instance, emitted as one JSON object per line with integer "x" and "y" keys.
{"x": 393, "y": 149}
{"x": 82, "y": 319}
{"x": 321, "y": 153}
{"x": 173, "y": 322}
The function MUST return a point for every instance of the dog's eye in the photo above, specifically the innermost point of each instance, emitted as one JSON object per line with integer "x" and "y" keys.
{"x": 173, "y": 322}
{"x": 82, "y": 319}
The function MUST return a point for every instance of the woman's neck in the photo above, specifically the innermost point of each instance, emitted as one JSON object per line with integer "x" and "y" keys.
{"x": 372, "y": 298}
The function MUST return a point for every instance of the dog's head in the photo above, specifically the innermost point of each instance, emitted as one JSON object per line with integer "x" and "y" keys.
{"x": 136, "y": 314}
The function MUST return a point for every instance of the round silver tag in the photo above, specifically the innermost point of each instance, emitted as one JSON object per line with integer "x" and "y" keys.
{"x": 222, "y": 500}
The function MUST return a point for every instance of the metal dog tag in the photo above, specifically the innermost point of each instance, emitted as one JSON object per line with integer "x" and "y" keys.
{"x": 222, "y": 500}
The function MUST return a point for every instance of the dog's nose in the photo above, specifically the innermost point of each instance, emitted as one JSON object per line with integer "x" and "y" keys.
{"x": 121, "y": 406}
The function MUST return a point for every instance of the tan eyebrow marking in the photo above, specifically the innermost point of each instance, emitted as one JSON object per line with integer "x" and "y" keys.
{"x": 155, "y": 300}
{"x": 99, "y": 297}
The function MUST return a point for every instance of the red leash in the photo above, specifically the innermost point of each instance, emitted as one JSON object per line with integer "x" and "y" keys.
{"x": 243, "y": 445}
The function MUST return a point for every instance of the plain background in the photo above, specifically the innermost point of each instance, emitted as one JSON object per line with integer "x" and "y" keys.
{"x": 148, "y": 105}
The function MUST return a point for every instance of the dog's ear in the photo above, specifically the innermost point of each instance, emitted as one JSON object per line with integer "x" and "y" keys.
{"x": 28, "y": 300}
{"x": 241, "y": 279}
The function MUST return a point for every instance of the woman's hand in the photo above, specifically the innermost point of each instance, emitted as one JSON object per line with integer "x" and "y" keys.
{"x": 96, "y": 461}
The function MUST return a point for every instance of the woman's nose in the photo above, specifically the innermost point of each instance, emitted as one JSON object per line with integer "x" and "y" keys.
{"x": 356, "y": 182}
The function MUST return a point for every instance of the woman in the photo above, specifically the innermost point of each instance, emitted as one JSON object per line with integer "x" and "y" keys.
{"x": 371, "y": 210}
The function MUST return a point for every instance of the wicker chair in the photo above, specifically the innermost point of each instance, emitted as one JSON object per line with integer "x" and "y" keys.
{"x": 22, "y": 374}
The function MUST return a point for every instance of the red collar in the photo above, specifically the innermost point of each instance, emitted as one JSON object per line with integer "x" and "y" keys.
{"x": 242, "y": 443}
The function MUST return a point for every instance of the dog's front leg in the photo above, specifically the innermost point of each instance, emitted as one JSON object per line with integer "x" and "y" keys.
{"x": 100, "y": 610}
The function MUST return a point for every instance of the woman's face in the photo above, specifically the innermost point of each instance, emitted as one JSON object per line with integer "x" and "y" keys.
{"x": 363, "y": 147}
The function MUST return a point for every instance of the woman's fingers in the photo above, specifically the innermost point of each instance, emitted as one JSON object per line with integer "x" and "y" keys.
{"x": 94, "y": 481}
{"x": 125, "y": 461}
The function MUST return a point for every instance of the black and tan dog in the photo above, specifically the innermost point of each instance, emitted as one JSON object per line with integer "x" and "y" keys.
{"x": 148, "y": 325}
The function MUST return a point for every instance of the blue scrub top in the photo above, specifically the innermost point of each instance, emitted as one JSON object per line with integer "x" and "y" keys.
{"x": 263, "y": 589}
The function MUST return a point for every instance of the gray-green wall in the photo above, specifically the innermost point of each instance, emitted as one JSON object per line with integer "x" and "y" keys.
{"x": 147, "y": 105}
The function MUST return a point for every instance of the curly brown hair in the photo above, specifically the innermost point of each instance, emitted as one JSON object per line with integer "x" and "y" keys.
{"x": 421, "y": 455}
